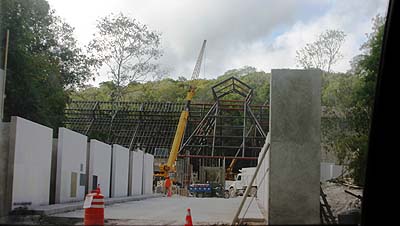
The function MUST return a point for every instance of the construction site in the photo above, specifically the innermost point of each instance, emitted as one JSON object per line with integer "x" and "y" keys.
{"x": 227, "y": 161}
{"x": 145, "y": 146}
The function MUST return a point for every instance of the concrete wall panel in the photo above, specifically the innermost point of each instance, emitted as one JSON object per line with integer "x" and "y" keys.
{"x": 29, "y": 163}
{"x": 137, "y": 172}
{"x": 4, "y": 149}
{"x": 260, "y": 182}
{"x": 71, "y": 162}
{"x": 295, "y": 122}
{"x": 263, "y": 179}
{"x": 330, "y": 171}
{"x": 120, "y": 167}
{"x": 148, "y": 174}
{"x": 100, "y": 166}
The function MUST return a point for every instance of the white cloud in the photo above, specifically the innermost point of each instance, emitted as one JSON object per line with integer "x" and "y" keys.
{"x": 238, "y": 32}
{"x": 282, "y": 51}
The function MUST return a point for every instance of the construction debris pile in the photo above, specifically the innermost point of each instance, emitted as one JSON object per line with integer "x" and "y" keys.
{"x": 339, "y": 200}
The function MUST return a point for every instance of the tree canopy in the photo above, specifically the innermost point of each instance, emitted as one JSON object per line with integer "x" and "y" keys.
{"x": 170, "y": 90}
{"x": 127, "y": 48}
{"x": 349, "y": 98}
{"x": 44, "y": 62}
{"x": 322, "y": 53}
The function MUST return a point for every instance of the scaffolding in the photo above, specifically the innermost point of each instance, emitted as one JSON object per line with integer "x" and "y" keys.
{"x": 229, "y": 130}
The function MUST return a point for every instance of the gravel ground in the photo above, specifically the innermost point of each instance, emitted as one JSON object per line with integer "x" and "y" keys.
{"x": 338, "y": 199}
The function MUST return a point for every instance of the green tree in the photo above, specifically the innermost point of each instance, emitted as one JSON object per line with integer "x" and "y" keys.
{"x": 337, "y": 97}
{"x": 44, "y": 62}
{"x": 127, "y": 48}
{"x": 89, "y": 92}
{"x": 324, "y": 52}
{"x": 349, "y": 100}
{"x": 175, "y": 90}
{"x": 367, "y": 69}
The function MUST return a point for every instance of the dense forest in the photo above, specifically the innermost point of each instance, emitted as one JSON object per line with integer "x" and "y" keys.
{"x": 47, "y": 69}
{"x": 170, "y": 90}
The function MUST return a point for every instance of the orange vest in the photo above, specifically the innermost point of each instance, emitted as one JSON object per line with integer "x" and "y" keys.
{"x": 167, "y": 183}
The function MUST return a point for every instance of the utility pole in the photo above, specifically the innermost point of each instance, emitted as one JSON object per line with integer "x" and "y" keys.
{"x": 3, "y": 82}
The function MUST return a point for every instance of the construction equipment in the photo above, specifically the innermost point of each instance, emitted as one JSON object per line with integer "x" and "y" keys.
{"x": 210, "y": 189}
{"x": 168, "y": 169}
{"x": 229, "y": 175}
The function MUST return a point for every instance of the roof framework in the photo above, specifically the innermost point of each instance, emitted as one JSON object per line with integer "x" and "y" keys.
{"x": 226, "y": 128}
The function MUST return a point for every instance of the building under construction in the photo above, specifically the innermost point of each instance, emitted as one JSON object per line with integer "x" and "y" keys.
{"x": 229, "y": 128}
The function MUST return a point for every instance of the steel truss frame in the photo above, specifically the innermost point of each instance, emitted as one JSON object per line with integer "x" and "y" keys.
{"x": 225, "y": 128}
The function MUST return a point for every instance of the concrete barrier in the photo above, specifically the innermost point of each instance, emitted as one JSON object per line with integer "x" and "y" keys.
{"x": 137, "y": 172}
{"x": 293, "y": 182}
{"x": 71, "y": 166}
{"x": 99, "y": 169}
{"x": 148, "y": 173}
{"x": 37, "y": 169}
{"x": 29, "y": 164}
{"x": 120, "y": 168}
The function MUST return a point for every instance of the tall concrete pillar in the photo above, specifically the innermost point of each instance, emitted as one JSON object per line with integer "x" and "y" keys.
{"x": 294, "y": 174}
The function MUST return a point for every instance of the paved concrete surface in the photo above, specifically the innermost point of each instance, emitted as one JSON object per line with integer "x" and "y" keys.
{"x": 172, "y": 211}
{"x": 65, "y": 207}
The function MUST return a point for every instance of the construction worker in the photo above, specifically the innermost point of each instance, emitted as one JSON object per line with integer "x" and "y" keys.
{"x": 167, "y": 185}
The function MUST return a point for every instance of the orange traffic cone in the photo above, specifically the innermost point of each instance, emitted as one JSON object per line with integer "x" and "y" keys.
{"x": 94, "y": 208}
{"x": 96, "y": 190}
{"x": 188, "y": 218}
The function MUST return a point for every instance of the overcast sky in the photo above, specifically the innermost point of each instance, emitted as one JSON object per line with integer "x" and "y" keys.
{"x": 260, "y": 33}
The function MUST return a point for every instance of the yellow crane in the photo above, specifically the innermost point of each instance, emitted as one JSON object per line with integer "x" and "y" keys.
{"x": 229, "y": 175}
{"x": 169, "y": 167}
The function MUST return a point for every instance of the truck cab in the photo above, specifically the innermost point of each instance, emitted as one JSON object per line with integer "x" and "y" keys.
{"x": 242, "y": 180}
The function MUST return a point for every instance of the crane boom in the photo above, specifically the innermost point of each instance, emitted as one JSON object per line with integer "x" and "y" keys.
{"x": 180, "y": 129}
{"x": 196, "y": 71}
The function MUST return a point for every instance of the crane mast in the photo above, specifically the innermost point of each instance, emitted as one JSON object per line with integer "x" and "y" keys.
{"x": 169, "y": 167}
{"x": 196, "y": 71}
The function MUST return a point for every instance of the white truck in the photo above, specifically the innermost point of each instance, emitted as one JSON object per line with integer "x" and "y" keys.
{"x": 242, "y": 180}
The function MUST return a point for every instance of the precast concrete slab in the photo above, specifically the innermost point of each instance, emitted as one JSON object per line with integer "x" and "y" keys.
{"x": 294, "y": 160}
{"x": 120, "y": 169}
{"x": 29, "y": 164}
{"x": 330, "y": 171}
{"x": 99, "y": 166}
{"x": 148, "y": 162}
{"x": 137, "y": 172}
{"x": 263, "y": 178}
{"x": 71, "y": 166}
